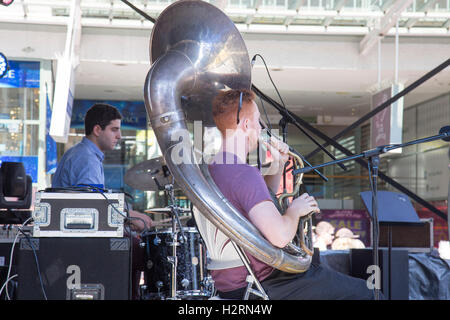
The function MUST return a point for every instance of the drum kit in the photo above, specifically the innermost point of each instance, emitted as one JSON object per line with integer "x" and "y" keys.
{"x": 175, "y": 256}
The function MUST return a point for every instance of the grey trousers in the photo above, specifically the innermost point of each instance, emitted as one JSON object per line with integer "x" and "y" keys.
{"x": 318, "y": 283}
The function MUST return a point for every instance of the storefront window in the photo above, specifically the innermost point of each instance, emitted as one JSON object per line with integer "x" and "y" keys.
{"x": 19, "y": 103}
{"x": 18, "y": 139}
{"x": 19, "y": 115}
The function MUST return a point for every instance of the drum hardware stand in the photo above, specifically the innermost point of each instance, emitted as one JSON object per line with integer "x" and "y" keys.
{"x": 208, "y": 284}
{"x": 173, "y": 261}
{"x": 175, "y": 220}
{"x": 159, "y": 285}
{"x": 251, "y": 278}
{"x": 174, "y": 211}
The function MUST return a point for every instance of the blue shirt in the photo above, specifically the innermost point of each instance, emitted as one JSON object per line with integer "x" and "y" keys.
{"x": 81, "y": 164}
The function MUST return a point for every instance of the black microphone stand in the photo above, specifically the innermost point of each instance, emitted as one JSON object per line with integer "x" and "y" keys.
{"x": 373, "y": 157}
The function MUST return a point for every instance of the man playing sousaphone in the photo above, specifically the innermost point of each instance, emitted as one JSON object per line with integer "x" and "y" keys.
{"x": 237, "y": 118}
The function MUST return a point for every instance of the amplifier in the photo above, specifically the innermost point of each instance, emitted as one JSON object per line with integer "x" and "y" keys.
{"x": 74, "y": 269}
{"x": 414, "y": 237}
{"x": 84, "y": 214}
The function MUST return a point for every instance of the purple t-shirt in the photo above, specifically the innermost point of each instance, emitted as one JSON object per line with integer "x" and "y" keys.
{"x": 244, "y": 186}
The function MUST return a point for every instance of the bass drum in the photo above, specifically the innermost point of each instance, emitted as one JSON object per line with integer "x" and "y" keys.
{"x": 192, "y": 280}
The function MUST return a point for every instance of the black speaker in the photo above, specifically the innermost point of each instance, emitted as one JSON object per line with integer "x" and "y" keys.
{"x": 394, "y": 270}
{"x": 74, "y": 269}
{"x": 14, "y": 182}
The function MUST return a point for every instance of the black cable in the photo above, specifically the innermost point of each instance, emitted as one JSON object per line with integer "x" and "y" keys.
{"x": 265, "y": 113}
{"x": 258, "y": 157}
{"x": 37, "y": 262}
{"x": 299, "y": 124}
{"x": 282, "y": 102}
{"x": 80, "y": 188}
{"x": 271, "y": 80}
{"x": 131, "y": 275}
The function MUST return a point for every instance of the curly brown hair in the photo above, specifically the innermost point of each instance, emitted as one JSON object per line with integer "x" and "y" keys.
{"x": 225, "y": 107}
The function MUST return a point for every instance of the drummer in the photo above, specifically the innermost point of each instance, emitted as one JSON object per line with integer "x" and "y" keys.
{"x": 83, "y": 163}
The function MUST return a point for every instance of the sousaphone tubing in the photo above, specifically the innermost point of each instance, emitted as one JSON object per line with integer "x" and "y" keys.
{"x": 196, "y": 51}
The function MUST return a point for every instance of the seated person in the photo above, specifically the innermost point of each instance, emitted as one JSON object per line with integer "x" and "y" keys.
{"x": 323, "y": 235}
{"x": 345, "y": 239}
{"x": 248, "y": 191}
{"x": 83, "y": 165}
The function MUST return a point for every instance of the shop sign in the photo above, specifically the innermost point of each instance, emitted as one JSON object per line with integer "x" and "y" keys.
{"x": 134, "y": 115}
{"x": 387, "y": 125}
{"x": 358, "y": 221}
{"x": 21, "y": 74}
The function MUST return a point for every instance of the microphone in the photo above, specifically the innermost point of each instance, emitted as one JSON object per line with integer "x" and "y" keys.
{"x": 253, "y": 60}
{"x": 446, "y": 131}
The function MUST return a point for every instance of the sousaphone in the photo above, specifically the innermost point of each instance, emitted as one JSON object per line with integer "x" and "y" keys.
{"x": 196, "y": 51}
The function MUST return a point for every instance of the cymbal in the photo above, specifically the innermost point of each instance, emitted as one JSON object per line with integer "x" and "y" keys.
{"x": 149, "y": 175}
{"x": 167, "y": 222}
{"x": 165, "y": 210}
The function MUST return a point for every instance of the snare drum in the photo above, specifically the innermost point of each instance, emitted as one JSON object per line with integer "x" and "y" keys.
{"x": 191, "y": 264}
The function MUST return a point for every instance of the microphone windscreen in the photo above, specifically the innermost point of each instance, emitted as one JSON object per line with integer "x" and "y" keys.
{"x": 446, "y": 130}
{"x": 253, "y": 60}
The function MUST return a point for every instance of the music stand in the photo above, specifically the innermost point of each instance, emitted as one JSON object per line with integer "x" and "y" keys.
{"x": 393, "y": 209}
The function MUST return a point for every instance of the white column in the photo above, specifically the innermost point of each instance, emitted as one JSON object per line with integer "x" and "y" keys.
{"x": 45, "y": 87}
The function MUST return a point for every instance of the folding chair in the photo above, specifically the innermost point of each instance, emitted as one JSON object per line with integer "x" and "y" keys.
{"x": 223, "y": 256}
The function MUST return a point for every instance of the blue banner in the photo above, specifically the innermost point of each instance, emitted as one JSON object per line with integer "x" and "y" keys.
{"x": 51, "y": 157}
{"x": 29, "y": 162}
{"x": 134, "y": 115}
{"x": 21, "y": 74}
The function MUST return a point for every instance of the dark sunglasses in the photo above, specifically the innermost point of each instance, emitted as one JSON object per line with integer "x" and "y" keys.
{"x": 240, "y": 106}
